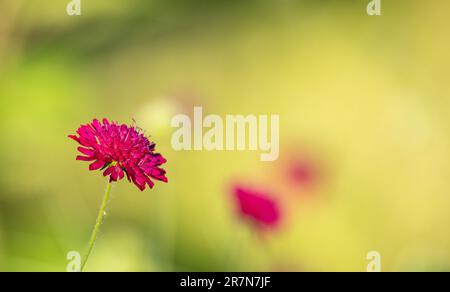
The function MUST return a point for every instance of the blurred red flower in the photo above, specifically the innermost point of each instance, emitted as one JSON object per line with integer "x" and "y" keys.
{"x": 302, "y": 172}
{"x": 258, "y": 207}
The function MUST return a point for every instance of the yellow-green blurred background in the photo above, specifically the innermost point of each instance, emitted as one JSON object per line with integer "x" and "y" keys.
{"x": 368, "y": 97}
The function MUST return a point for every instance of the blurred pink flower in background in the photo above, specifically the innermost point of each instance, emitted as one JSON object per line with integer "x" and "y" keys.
{"x": 257, "y": 207}
{"x": 120, "y": 150}
{"x": 302, "y": 171}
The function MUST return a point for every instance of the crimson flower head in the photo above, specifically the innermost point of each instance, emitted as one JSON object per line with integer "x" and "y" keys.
{"x": 120, "y": 150}
{"x": 258, "y": 207}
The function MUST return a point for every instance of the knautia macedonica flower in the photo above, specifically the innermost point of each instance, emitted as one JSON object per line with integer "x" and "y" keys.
{"x": 120, "y": 150}
{"x": 258, "y": 207}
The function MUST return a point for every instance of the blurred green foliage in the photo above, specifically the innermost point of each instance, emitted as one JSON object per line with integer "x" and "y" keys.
{"x": 368, "y": 96}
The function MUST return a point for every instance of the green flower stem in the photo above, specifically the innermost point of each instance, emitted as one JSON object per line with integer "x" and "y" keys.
{"x": 100, "y": 218}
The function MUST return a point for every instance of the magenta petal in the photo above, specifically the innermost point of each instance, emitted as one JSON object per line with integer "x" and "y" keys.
{"x": 106, "y": 123}
{"x": 97, "y": 126}
{"x": 97, "y": 165}
{"x": 108, "y": 171}
{"x": 114, "y": 175}
{"x": 120, "y": 173}
{"x": 257, "y": 206}
{"x": 150, "y": 183}
{"x": 86, "y": 151}
{"x": 85, "y": 142}
{"x": 73, "y": 137}
{"x": 158, "y": 159}
{"x": 84, "y": 158}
